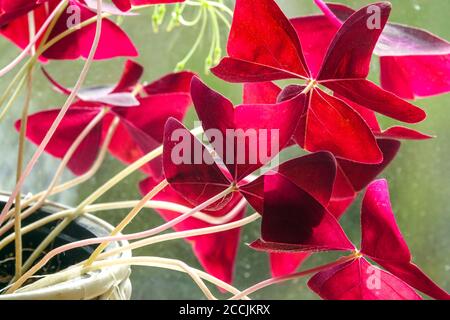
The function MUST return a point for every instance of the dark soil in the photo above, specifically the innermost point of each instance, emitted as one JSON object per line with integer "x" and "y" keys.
{"x": 74, "y": 232}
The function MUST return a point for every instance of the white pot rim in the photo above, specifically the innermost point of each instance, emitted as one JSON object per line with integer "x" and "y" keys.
{"x": 111, "y": 282}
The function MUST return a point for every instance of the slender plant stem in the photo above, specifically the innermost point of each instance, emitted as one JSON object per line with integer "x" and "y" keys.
{"x": 20, "y": 156}
{"x": 276, "y": 280}
{"x": 61, "y": 114}
{"x": 140, "y": 235}
{"x": 197, "y": 42}
{"x": 326, "y": 10}
{"x": 170, "y": 264}
{"x": 67, "y": 157}
{"x": 69, "y": 184}
{"x": 93, "y": 197}
{"x": 224, "y": 19}
{"x": 182, "y": 235}
{"x": 12, "y": 98}
{"x": 193, "y": 22}
{"x": 127, "y": 220}
{"x": 159, "y": 205}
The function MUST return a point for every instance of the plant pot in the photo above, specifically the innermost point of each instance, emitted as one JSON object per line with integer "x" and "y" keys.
{"x": 111, "y": 283}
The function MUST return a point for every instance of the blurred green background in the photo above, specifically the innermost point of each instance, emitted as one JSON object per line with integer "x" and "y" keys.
{"x": 419, "y": 177}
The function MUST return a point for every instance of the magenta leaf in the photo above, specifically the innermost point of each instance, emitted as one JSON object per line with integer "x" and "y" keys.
{"x": 282, "y": 263}
{"x": 360, "y": 175}
{"x": 248, "y": 130}
{"x": 383, "y": 242}
{"x": 294, "y": 221}
{"x": 334, "y": 126}
{"x": 369, "y": 95}
{"x": 70, "y": 128}
{"x": 260, "y": 93}
{"x": 141, "y": 125}
{"x": 359, "y": 280}
{"x": 325, "y": 123}
{"x": 197, "y": 180}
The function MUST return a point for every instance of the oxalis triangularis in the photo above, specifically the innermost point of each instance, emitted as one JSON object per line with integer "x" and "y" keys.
{"x": 202, "y": 181}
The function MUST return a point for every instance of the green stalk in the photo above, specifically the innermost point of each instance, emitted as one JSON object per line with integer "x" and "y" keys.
{"x": 20, "y": 156}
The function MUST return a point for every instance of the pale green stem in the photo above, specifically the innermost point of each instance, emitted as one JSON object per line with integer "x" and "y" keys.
{"x": 128, "y": 219}
{"x": 69, "y": 184}
{"x": 13, "y": 98}
{"x": 35, "y": 268}
{"x": 80, "y": 209}
{"x": 170, "y": 264}
{"x": 224, "y": 19}
{"x": 182, "y": 235}
{"x": 60, "y": 116}
{"x": 67, "y": 157}
{"x": 20, "y": 156}
{"x": 159, "y": 205}
{"x": 180, "y": 66}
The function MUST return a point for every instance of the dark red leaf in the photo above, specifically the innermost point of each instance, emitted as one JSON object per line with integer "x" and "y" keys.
{"x": 349, "y": 54}
{"x": 249, "y": 133}
{"x": 189, "y": 167}
{"x": 359, "y": 280}
{"x": 70, "y": 128}
{"x": 172, "y": 83}
{"x": 262, "y": 36}
{"x": 360, "y": 175}
{"x": 294, "y": 221}
{"x": 76, "y": 45}
{"x": 131, "y": 75}
{"x": 369, "y": 95}
{"x": 260, "y": 93}
{"x": 316, "y": 34}
{"x": 382, "y": 241}
{"x": 334, "y": 126}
